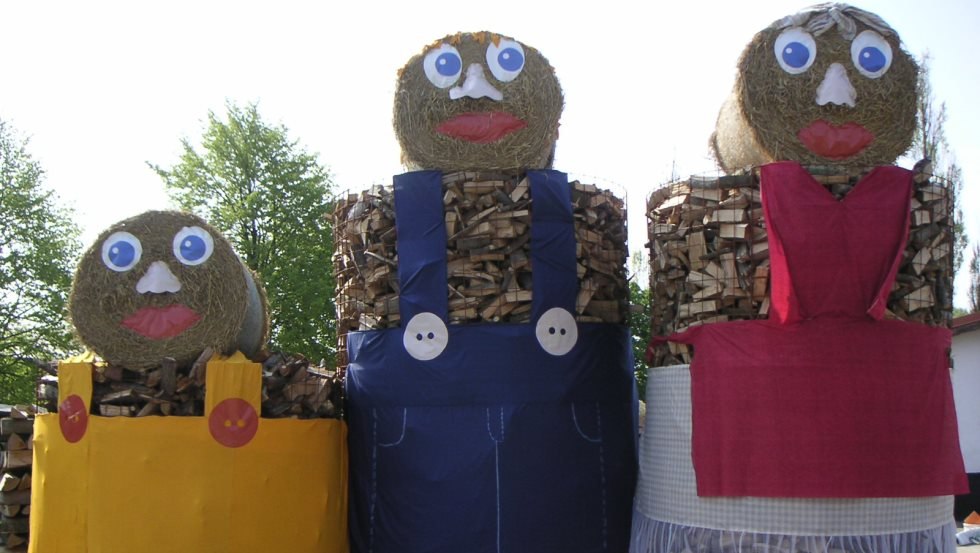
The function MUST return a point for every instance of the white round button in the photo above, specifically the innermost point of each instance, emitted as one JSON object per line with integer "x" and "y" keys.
{"x": 556, "y": 331}
{"x": 425, "y": 336}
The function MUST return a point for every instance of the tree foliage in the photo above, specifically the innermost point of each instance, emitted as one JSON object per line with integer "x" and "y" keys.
{"x": 930, "y": 142}
{"x": 270, "y": 199}
{"x": 39, "y": 248}
{"x": 640, "y": 315}
{"x": 974, "y": 293}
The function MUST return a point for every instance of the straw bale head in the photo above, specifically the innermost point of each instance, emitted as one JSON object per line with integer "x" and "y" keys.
{"x": 165, "y": 284}
{"x": 477, "y": 101}
{"x": 828, "y": 85}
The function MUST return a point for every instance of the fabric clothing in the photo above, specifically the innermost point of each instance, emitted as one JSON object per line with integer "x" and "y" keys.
{"x": 666, "y": 490}
{"x": 829, "y": 257}
{"x": 669, "y": 516}
{"x": 825, "y": 399}
{"x": 491, "y": 440}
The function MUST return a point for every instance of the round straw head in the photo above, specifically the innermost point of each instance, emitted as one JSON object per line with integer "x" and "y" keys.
{"x": 477, "y": 101}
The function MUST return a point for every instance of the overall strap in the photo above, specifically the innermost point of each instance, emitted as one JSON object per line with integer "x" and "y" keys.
{"x": 554, "y": 274}
{"x": 421, "y": 227}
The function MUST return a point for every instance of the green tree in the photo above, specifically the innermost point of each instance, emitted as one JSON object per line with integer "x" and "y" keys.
{"x": 271, "y": 200}
{"x": 639, "y": 321}
{"x": 930, "y": 142}
{"x": 39, "y": 248}
{"x": 974, "y": 293}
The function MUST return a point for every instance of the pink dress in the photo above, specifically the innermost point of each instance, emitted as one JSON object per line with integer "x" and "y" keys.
{"x": 826, "y": 399}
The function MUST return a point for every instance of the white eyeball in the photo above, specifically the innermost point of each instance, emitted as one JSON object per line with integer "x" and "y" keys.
{"x": 795, "y": 50}
{"x": 443, "y": 65}
{"x": 871, "y": 54}
{"x": 505, "y": 59}
{"x": 193, "y": 245}
{"x": 121, "y": 251}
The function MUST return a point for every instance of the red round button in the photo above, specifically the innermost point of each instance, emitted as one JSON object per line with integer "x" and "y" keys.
{"x": 72, "y": 418}
{"x": 233, "y": 422}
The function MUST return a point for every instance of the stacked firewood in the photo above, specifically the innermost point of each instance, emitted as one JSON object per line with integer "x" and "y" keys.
{"x": 710, "y": 255}
{"x": 16, "y": 459}
{"x": 488, "y": 218}
{"x": 291, "y": 387}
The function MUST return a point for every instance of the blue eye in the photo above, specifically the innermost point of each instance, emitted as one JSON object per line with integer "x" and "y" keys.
{"x": 510, "y": 59}
{"x": 505, "y": 59}
{"x": 443, "y": 65}
{"x": 448, "y": 64}
{"x": 193, "y": 245}
{"x": 796, "y": 55}
{"x": 871, "y": 54}
{"x": 193, "y": 248}
{"x": 121, "y": 251}
{"x": 871, "y": 59}
{"x": 795, "y": 50}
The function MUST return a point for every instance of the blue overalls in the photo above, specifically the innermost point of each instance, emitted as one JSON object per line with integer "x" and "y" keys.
{"x": 496, "y": 438}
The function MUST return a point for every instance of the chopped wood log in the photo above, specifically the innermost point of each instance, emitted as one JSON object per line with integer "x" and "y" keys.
{"x": 15, "y": 540}
{"x": 709, "y": 254}
{"x": 16, "y": 426}
{"x": 168, "y": 376}
{"x": 13, "y": 460}
{"x": 10, "y": 511}
{"x": 9, "y": 482}
{"x": 488, "y": 218}
{"x": 25, "y": 482}
{"x": 21, "y": 412}
{"x": 19, "y": 525}
{"x": 19, "y": 497}
{"x": 117, "y": 410}
{"x": 15, "y": 443}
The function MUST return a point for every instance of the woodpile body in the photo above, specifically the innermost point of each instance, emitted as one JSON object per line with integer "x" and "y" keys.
{"x": 16, "y": 460}
{"x": 292, "y": 387}
{"x": 709, "y": 254}
{"x": 488, "y": 220}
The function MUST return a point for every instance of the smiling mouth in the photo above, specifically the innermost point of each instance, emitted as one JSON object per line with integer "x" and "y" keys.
{"x": 481, "y": 127}
{"x": 835, "y": 141}
{"x": 158, "y": 323}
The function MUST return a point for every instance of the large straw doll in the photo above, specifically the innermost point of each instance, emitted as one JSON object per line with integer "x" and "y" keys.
{"x": 164, "y": 300}
{"x": 489, "y": 386}
{"x": 817, "y": 412}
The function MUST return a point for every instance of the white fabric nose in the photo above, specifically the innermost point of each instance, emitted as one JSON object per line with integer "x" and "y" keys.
{"x": 158, "y": 280}
{"x": 475, "y": 85}
{"x": 836, "y": 88}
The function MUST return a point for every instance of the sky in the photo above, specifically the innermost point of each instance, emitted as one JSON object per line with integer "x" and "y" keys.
{"x": 102, "y": 88}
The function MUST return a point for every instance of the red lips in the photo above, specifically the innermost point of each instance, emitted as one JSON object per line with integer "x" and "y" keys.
{"x": 481, "y": 127}
{"x": 158, "y": 323}
{"x": 833, "y": 141}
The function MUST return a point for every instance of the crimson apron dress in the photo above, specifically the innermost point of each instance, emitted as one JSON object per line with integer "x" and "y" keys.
{"x": 825, "y": 398}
